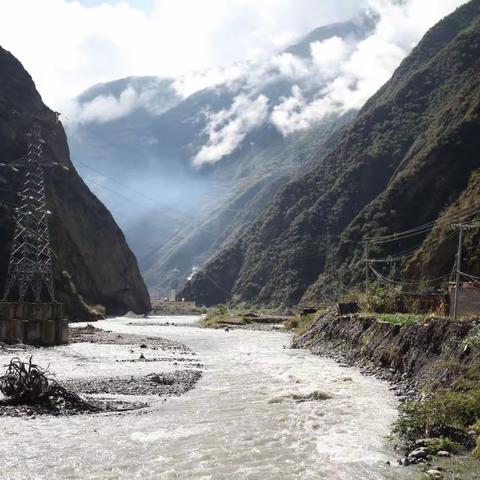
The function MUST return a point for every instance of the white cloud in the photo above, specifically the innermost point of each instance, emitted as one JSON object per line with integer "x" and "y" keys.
{"x": 328, "y": 55}
{"x": 288, "y": 116}
{"x": 194, "y": 81}
{"x": 106, "y": 107}
{"x": 152, "y": 96}
{"x": 68, "y": 47}
{"x": 356, "y": 72}
{"x": 226, "y": 129}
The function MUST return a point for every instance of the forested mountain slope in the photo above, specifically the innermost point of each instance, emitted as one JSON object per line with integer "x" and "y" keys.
{"x": 408, "y": 155}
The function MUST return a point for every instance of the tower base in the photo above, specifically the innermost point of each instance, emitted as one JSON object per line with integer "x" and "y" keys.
{"x": 40, "y": 324}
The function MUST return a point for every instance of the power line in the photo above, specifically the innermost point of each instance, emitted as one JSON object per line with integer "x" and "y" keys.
{"x": 471, "y": 277}
{"x": 407, "y": 253}
{"x": 426, "y": 280}
{"x": 421, "y": 229}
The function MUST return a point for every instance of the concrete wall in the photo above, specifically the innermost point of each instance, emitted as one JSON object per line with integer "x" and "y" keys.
{"x": 40, "y": 324}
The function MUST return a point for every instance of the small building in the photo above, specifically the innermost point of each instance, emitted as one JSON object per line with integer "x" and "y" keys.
{"x": 468, "y": 299}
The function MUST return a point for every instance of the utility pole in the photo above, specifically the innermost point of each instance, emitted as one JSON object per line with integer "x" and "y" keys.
{"x": 367, "y": 267}
{"x": 459, "y": 269}
{"x": 30, "y": 265}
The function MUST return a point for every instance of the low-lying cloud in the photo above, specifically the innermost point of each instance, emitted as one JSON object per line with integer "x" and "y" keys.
{"x": 362, "y": 70}
{"x": 341, "y": 72}
{"x": 68, "y": 46}
{"x": 227, "y": 129}
{"x": 152, "y": 95}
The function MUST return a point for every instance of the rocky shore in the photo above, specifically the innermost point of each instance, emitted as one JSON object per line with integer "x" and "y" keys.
{"x": 175, "y": 371}
{"x": 161, "y": 384}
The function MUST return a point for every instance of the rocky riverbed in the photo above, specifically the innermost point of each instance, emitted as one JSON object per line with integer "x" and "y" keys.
{"x": 173, "y": 370}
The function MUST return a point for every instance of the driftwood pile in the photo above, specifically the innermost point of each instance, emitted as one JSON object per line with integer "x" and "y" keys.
{"x": 25, "y": 383}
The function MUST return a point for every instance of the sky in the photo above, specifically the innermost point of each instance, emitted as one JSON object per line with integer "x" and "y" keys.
{"x": 70, "y": 45}
{"x": 146, "y": 5}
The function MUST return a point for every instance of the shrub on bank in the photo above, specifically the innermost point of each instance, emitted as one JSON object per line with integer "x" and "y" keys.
{"x": 385, "y": 299}
{"x": 448, "y": 414}
{"x": 476, "y": 429}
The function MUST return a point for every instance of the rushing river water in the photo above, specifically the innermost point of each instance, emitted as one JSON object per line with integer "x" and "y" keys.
{"x": 240, "y": 421}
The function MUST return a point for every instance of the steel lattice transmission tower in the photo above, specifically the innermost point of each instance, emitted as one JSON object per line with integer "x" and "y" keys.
{"x": 30, "y": 267}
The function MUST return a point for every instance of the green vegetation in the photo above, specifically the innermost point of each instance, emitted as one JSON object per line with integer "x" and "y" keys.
{"x": 221, "y": 316}
{"x": 299, "y": 325}
{"x": 383, "y": 299}
{"x": 451, "y": 415}
{"x": 388, "y": 172}
{"x": 476, "y": 429}
{"x": 448, "y": 414}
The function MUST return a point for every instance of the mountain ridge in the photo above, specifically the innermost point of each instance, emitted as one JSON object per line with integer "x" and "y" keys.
{"x": 314, "y": 226}
{"x": 163, "y": 146}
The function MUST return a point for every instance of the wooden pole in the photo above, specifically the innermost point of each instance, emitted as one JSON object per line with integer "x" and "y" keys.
{"x": 367, "y": 267}
{"x": 459, "y": 269}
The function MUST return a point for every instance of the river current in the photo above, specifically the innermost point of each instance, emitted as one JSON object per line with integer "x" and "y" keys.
{"x": 243, "y": 420}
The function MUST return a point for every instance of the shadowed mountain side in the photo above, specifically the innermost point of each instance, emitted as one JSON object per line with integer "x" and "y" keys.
{"x": 255, "y": 180}
{"x": 91, "y": 257}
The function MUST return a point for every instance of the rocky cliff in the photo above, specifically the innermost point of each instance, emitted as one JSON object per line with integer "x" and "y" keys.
{"x": 93, "y": 264}
{"x": 406, "y": 158}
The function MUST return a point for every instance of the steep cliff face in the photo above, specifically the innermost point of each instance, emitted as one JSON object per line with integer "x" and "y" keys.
{"x": 407, "y": 156}
{"x": 91, "y": 257}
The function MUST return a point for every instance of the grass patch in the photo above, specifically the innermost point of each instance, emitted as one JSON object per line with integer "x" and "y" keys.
{"x": 300, "y": 324}
{"x": 221, "y": 316}
{"x": 476, "y": 429}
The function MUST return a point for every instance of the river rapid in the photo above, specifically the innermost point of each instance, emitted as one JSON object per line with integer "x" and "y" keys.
{"x": 240, "y": 422}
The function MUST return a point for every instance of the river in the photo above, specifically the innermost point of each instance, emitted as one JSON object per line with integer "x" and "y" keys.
{"x": 240, "y": 422}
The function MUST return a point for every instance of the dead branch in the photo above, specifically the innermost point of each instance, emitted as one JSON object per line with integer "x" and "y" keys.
{"x": 26, "y": 383}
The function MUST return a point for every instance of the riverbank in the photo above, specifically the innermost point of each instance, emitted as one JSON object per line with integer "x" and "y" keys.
{"x": 432, "y": 366}
{"x": 156, "y": 367}
{"x": 223, "y": 317}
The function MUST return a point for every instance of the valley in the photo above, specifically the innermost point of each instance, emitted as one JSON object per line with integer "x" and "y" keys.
{"x": 242, "y": 244}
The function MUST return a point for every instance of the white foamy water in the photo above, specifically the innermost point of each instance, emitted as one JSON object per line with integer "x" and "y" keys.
{"x": 240, "y": 421}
